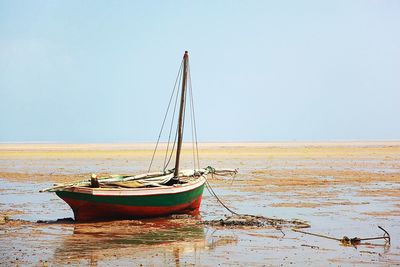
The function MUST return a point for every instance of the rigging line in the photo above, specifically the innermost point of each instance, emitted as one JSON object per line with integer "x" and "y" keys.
{"x": 194, "y": 119}
{"x": 172, "y": 122}
{"x": 183, "y": 122}
{"x": 165, "y": 117}
{"x": 166, "y": 163}
{"x": 176, "y": 132}
{"x": 191, "y": 122}
{"x": 173, "y": 147}
{"x": 183, "y": 128}
{"x": 195, "y": 155}
{"x": 192, "y": 129}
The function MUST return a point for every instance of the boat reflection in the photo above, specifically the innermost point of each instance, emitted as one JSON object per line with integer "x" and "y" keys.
{"x": 164, "y": 241}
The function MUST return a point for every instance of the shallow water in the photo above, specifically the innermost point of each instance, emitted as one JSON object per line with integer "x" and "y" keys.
{"x": 345, "y": 194}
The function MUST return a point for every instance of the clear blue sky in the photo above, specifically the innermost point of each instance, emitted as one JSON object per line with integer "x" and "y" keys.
{"x": 102, "y": 71}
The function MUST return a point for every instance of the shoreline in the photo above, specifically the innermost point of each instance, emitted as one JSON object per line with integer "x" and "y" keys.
{"x": 188, "y": 145}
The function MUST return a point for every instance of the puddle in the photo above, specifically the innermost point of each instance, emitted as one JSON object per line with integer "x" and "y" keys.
{"x": 30, "y": 205}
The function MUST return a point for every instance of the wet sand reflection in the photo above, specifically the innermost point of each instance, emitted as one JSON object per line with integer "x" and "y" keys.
{"x": 163, "y": 240}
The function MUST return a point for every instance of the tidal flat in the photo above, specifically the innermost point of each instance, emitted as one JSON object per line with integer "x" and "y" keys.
{"x": 339, "y": 188}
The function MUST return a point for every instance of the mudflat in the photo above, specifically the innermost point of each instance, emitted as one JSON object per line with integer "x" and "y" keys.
{"x": 339, "y": 188}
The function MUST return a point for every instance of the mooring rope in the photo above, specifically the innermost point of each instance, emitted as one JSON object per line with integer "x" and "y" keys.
{"x": 260, "y": 220}
{"x": 212, "y": 193}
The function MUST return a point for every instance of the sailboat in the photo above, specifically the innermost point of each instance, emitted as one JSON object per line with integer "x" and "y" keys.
{"x": 152, "y": 194}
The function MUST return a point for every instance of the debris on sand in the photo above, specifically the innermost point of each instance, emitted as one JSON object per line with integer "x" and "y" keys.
{"x": 256, "y": 221}
{"x": 62, "y": 220}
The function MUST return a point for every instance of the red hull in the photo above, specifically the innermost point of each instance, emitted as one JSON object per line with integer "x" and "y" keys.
{"x": 89, "y": 211}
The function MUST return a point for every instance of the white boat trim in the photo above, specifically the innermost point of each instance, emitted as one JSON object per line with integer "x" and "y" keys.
{"x": 174, "y": 189}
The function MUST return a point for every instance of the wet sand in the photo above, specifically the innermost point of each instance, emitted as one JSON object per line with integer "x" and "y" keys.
{"x": 341, "y": 189}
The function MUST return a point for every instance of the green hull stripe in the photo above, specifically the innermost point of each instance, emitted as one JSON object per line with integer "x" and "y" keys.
{"x": 152, "y": 200}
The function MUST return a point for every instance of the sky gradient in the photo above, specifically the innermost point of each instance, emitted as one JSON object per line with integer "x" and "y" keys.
{"x": 103, "y": 71}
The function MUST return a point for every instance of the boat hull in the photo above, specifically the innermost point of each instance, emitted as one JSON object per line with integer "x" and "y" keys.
{"x": 90, "y": 204}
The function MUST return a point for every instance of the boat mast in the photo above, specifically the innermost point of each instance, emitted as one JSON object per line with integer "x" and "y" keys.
{"x": 181, "y": 113}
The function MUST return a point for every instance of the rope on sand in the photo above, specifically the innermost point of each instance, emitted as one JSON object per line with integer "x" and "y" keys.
{"x": 351, "y": 241}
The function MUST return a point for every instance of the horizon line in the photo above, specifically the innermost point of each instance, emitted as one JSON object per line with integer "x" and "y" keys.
{"x": 205, "y": 142}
